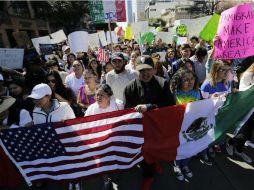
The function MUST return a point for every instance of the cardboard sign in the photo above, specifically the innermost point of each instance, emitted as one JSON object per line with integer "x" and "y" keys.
{"x": 166, "y": 37}
{"x": 93, "y": 40}
{"x": 114, "y": 37}
{"x": 22, "y": 38}
{"x": 102, "y": 37}
{"x": 58, "y": 37}
{"x": 41, "y": 40}
{"x": 11, "y": 58}
{"x": 235, "y": 33}
{"x": 78, "y": 41}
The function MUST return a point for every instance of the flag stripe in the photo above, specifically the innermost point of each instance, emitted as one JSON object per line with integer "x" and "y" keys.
{"x": 92, "y": 172}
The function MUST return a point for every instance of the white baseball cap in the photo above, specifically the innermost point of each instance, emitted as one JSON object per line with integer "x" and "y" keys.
{"x": 40, "y": 90}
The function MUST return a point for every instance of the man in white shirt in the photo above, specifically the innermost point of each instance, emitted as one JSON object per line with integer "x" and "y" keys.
{"x": 119, "y": 77}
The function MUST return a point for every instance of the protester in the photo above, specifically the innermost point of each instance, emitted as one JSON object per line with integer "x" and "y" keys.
{"x": 247, "y": 78}
{"x": 11, "y": 116}
{"x": 96, "y": 68}
{"x": 86, "y": 95}
{"x": 118, "y": 78}
{"x": 194, "y": 40}
{"x": 185, "y": 52}
{"x": 132, "y": 63}
{"x": 3, "y": 88}
{"x": 105, "y": 69}
{"x": 150, "y": 92}
{"x": 199, "y": 60}
{"x": 170, "y": 58}
{"x": 71, "y": 57}
{"x": 185, "y": 86}
{"x": 52, "y": 65}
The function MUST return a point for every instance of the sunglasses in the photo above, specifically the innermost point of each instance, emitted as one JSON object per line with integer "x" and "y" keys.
{"x": 52, "y": 81}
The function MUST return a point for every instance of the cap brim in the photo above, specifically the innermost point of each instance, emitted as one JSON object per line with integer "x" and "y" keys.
{"x": 7, "y": 103}
{"x": 119, "y": 58}
{"x": 35, "y": 96}
{"x": 143, "y": 66}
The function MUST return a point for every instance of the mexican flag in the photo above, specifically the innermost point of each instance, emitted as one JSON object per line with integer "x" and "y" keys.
{"x": 179, "y": 132}
{"x": 102, "y": 11}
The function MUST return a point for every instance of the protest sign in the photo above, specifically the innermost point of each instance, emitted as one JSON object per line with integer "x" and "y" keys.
{"x": 41, "y": 40}
{"x": 93, "y": 40}
{"x": 181, "y": 40}
{"x": 105, "y": 11}
{"x": 11, "y": 58}
{"x": 128, "y": 33}
{"x": 147, "y": 37}
{"x": 210, "y": 29}
{"x": 166, "y": 37}
{"x": 47, "y": 49}
{"x": 114, "y": 37}
{"x": 181, "y": 30}
{"x": 58, "y": 37}
{"x": 139, "y": 27}
{"x": 235, "y": 33}
{"x": 102, "y": 38}
{"x": 22, "y": 38}
{"x": 78, "y": 41}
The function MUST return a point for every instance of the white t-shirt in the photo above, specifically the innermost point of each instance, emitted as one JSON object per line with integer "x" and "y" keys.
{"x": 24, "y": 118}
{"x": 118, "y": 82}
{"x": 94, "y": 108}
{"x": 74, "y": 83}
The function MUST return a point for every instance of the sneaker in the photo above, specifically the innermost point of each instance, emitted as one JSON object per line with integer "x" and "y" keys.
{"x": 244, "y": 156}
{"x": 206, "y": 160}
{"x": 187, "y": 172}
{"x": 179, "y": 174}
{"x": 229, "y": 148}
{"x": 217, "y": 148}
{"x": 211, "y": 152}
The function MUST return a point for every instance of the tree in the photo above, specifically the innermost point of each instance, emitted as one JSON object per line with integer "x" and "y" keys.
{"x": 204, "y": 7}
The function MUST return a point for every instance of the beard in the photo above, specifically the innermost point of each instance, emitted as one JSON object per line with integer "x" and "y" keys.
{"x": 120, "y": 70}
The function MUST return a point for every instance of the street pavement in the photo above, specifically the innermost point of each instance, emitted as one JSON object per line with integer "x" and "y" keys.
{"x": 227, "y": 173}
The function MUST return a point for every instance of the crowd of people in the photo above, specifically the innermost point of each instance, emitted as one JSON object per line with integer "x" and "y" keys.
{"x": 66, "y": 85}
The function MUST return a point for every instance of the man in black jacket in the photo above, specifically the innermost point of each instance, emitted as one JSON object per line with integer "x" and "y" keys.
{"x": 146, "y": 93}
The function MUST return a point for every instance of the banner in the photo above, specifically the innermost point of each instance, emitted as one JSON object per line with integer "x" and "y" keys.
{"x": 235, "y": 33}
{"x": 102, "y": 11}
{"x": 22, "y": 38}
{"x": 210, "y": 29}
{"x": 58, "y": 37}
{"x": 78, "y": 41}
{"x": 11, "y": 58}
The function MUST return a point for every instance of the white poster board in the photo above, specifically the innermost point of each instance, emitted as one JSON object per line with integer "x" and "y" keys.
{"x": 181, "y": 40}
{"x": 139, "y": 27}
{"x": 166, "y": 37}
{"x": 40, "y": 40}
{"x": 11, "y": 58}
{"x": 78, "y": 41}
{"x": 58, "y": 37}
{"x": 102, "y": 37}
{"x": 93, "y": 40}
{"x": 114, "y": 37}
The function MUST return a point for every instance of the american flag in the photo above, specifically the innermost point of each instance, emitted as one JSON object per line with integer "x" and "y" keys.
{"x": 77, "y": 148}
{"x": 102, "y": 54}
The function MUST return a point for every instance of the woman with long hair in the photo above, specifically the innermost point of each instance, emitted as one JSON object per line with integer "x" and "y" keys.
{"x": 71, "y": 57}
{"x": 87, "y": 92}
{"x": 61, "y": 93}
{"x": 96, "y": 68}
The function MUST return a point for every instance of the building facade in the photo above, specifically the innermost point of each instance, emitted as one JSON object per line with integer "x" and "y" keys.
{"x": 18, "y": 16}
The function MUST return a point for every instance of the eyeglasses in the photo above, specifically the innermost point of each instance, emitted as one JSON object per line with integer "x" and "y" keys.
{"x": 188, "y": 80}
{"x": 51, "y": 81}
{"x": 224, "y": 70}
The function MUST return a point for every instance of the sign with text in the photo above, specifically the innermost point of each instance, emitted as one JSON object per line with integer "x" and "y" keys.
{"x": 11, "y": 58}
{"x": 235, "y": 33}
{"x": 114, "y": 37}
{"x": 181, "y": 30}
{"x": 78, "y": 41}
{"x": 102, "y": 37}
{"x": 93, "y": 40}
{"x": 41, "y": 40}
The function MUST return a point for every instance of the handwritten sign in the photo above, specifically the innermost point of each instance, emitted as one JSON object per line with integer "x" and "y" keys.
{"x": 235, "y": 33}
{"x": 11, "y": 58}
{"x": 78, "y": 41}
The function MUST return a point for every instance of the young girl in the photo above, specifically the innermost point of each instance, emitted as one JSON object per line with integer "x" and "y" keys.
{"x": 184, "y": 85}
